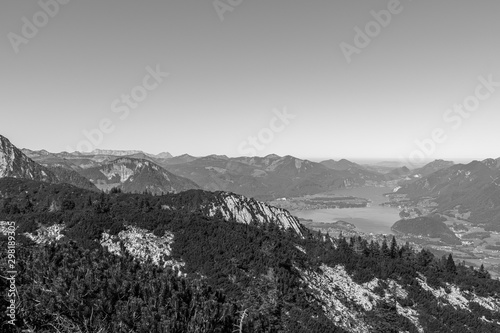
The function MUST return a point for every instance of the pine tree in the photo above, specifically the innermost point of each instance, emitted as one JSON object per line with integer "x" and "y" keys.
{"x": 394, "y": 248}
{"x": 385, "y": 248}
{"x": 450, "y": 265}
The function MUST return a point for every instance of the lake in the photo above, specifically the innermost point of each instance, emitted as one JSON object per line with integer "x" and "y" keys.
{"x": 373, "y": 219}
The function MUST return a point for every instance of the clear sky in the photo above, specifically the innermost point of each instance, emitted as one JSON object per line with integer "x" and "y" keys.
{"x": 233, "y": 65}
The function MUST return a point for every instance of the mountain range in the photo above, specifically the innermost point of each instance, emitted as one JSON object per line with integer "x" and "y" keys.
{"x": 125, "y": 153}
{"x": 159, "y": 252}
{"x": 472, "y": 189}
{"x": 14, "y": 163}
{"x": 265, "y": 178}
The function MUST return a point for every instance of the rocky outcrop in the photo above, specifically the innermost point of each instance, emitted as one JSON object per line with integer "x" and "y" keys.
{"x": 44, "y": 235}
{"x": 14, "y": 163}
{"x": 459, "y": 299}
{"x": 345, "y": 302}
{"x": 142, "y": 245}
{"x": 245, "y": 210}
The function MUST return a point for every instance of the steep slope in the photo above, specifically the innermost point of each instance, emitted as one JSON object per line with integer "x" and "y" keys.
{"x": 136, "y": 175}
{"x": 474, "y": 187}
{"x": 14, "y": 163}
{"x": 233, "y": 207}
{"x": 274, "y": 280}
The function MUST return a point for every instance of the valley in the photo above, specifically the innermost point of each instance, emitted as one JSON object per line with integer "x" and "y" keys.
{"x": 371, "y": 212}
{"x": 477, "y": 246}
{"x": 360, "y": 206}
{"x": 297, "y": 245}
{"x": 330, "y": 196}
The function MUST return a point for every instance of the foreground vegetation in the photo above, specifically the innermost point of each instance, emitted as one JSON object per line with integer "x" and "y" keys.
{"x": 230, "y": 269}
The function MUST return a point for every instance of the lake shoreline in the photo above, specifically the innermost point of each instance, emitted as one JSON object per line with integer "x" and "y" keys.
{"x": 374, "y": 218}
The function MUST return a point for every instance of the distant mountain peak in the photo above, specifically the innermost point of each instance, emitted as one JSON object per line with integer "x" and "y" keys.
{"x": 30, "y": 153}
{"x": 272, "y": 156}
{"x": 114, "y": 152}
{"x": 342, "y": 164}
{"x": 164, "y": 155}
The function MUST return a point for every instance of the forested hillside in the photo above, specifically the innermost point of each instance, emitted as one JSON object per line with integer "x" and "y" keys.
{"x": 260, "y": 275}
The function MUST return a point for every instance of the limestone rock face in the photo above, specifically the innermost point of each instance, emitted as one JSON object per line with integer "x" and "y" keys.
{"x": 14, "y": 163}
{"x": 245, "y": 210}
{"x": 142, "y": 245}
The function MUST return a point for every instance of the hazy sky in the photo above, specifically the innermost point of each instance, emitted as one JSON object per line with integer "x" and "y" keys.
{"x": 234, "y": 65}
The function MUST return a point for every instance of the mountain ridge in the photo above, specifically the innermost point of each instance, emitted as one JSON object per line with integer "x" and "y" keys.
{"x": 14, "y": 163}
{"x": 282, "y": 281}
{"x": 474, "y": 187}
{"x": 136, "y": 175}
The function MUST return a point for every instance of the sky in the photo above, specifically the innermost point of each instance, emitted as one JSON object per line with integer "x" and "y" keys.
{"x": 406, "y": 80}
